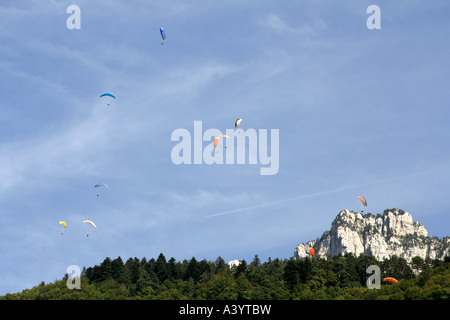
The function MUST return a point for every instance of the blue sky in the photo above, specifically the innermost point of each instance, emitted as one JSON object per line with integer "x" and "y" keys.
{"x": 359, "y": 112}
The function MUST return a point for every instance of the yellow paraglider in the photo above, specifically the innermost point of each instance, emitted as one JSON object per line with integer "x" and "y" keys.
{"x": 64, "y": 224}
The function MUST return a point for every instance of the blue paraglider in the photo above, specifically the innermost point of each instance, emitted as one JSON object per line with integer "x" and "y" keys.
{"x": 108, "y": 95}
{"x": 163, "y": 34}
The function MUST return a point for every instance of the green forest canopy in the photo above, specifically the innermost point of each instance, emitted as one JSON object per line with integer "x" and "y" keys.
{"x": 337, "y": 277}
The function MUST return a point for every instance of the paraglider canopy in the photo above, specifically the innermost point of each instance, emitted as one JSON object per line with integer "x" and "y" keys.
{"x": 163, "y": 34}
{"x": 389, "y": 279}
{"x": 107, "y": 94}
{"x": 216, "y": 139}
{"x": 237, "y": 123}
{"x": 91, "y": 223}
{"x": 364, "y": 202}
{"x": 101, "y": 185}
{"x": 64, "y": 224}
{"x": 98, "y": 185}
{"x": 313, "y": 253}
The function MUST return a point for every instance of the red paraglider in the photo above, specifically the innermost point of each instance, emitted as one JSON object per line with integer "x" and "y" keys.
{"x": 313, "y": 253}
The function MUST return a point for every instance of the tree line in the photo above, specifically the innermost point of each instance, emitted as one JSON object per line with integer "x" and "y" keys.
{"x": 337, "y": 277}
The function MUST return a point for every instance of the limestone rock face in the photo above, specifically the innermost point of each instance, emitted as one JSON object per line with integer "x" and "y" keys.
{"x": 234, "y": 263}
{"x": 382, "y": 236}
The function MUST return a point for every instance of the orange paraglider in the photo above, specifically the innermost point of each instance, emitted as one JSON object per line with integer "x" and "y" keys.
{"x": 364, "y": 202}
{"x": 313, "y": 253}
{"x": 389, "y": 279}
{"x": 216, "y": 139}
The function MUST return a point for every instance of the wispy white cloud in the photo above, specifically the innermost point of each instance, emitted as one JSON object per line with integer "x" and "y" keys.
{"x": 45, "y": 84}
{"x": 204, "y": 198}
{"x": 276, "y": 23}
{"x": 68, "y": 151}
{"x": 188, "y": 80}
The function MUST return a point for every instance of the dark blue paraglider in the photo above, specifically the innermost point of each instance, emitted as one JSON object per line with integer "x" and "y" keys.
{"x": 163, "y": 34}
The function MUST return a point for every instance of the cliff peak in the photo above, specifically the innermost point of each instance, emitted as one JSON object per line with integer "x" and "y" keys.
{"x": 383, "y": 235}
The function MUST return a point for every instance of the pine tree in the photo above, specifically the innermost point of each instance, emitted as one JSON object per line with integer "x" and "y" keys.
{"x": 193, "y": 270}
{"x": 105, "y": 269}
{"x": 220, "y": 265}
{"x": 161, "y": 268}
{"x": 143, "y": 280}
{"x": 291, "y": 273}
{"x": 256, "y": 261}
{"x": 117, "y": 269}
{"x": 173, "y": 269}
{"x": 241, "y": 269}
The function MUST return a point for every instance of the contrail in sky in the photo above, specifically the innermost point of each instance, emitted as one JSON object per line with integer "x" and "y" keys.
{"x": 316, "y": 194}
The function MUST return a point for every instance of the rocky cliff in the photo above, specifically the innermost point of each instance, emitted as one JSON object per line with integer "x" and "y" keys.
{"x": 382, "y": 236}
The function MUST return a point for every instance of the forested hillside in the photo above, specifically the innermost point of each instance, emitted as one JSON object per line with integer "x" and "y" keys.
{"x": 338, "y": 277}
